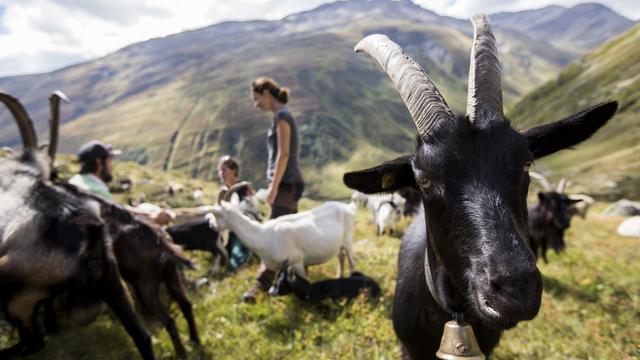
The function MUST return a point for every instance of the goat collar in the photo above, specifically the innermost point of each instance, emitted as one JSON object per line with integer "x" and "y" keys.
{"x": 429, "y": 259}
{"x": 430, "y": 264}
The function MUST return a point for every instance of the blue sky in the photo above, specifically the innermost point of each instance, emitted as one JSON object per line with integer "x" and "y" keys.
{"x": 44, "y": 35}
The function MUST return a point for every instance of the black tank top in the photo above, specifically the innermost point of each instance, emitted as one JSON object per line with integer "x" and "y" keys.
{"x": 292, "y": 174}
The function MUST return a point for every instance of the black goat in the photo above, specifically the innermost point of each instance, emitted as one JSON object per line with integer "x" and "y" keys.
{"x": 52, "y": 239}
{"x": 472, "y": 172}
{"x": 287, "y": 281}
{"x": 548, "y": 221}
{"x": 198, "y": 234}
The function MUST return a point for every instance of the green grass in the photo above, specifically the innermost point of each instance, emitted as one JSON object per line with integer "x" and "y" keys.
{"x": 590, "y": 310}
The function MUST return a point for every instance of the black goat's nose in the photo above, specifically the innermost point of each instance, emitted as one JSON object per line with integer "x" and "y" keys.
{"x": 516, "y": 287}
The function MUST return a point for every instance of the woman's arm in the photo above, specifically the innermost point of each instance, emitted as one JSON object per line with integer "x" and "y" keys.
{"x": 283, "y": 132}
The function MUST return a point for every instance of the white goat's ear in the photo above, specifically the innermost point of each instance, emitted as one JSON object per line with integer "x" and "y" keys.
{"x": 235, "y": 199}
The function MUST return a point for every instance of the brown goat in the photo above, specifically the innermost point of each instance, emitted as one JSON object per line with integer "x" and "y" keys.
{"x": 148, "y": 258}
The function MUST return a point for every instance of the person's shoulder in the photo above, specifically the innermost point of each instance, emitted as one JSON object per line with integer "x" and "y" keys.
{"x": 81, "y": 180}
{"x": 284, "y": 114}
{"x": 76, "y": 179}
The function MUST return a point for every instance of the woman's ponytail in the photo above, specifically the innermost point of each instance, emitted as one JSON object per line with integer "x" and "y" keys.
{"x": 265, "y": 83}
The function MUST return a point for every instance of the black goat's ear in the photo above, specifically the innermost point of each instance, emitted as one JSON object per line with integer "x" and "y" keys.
{"x": 547, "y": 139}
{"x": 541, "y": 196}
{"x": 386, "y": 177}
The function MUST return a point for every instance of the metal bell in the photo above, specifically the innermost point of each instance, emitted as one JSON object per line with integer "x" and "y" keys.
{"x": 459, "y": 343}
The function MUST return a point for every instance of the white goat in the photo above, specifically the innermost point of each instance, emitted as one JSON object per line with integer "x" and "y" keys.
{"x": 371, "y": 202}
{"x": 385, "y": 209}
{"x": 389, "y": 212}
{"x": 307, "y": 238}
{"x": 249, "y": 205}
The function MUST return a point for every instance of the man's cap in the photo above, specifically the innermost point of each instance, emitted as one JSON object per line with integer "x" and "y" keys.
{"x": 96, "y": 149}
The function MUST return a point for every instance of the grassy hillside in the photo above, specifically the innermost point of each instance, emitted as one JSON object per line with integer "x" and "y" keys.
{"x": 590, "y": 310}
{"x": 608, "y": 165}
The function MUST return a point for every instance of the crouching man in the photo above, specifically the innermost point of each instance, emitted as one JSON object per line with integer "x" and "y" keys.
{"x": 96, "y": 171}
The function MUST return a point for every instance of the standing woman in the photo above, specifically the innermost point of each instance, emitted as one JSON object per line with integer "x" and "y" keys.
{"x": 285, "y": 180}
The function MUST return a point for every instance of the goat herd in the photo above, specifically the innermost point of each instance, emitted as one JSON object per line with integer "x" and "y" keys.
{"x": 466, "y": 253}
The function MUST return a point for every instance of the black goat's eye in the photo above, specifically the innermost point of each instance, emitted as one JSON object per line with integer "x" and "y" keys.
{"x": 425, "y": 183}
{"x": 527, "y": 166}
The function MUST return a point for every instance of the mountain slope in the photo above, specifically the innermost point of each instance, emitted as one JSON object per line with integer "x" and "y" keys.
{"x": 566, "y": 27}
{"x": 607, "y": 165}
{"x": 181, "y": 101}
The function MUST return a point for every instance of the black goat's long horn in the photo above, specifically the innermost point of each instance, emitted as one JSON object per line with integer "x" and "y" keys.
{"x": 27, "y": 131}
{"x": 54, "y": 123}
{"x": 235, "y": 188}
{"x": 485, "y": 82}
{"x": 562, "y": 185}
{"x": 425, "y": 103}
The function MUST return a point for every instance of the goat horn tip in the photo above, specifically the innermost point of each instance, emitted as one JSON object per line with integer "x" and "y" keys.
{"x": 61, "y": 95}
{"x": 361, "y": 45}
{"x": 478, "y": 17}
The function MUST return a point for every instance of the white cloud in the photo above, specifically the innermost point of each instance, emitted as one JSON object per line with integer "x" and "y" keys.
{"x": 43, "y": 35}
{"x": 79, "y": 30}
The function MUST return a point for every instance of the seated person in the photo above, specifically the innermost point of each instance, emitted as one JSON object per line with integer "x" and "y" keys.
{"x": 228, "y": 170}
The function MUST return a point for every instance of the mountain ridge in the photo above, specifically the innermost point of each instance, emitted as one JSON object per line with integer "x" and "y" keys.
{"x": 186, "y": 95}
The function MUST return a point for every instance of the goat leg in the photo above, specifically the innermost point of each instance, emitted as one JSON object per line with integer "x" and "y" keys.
{"x": 50, "y": 318}
{"x": 348, "y": 248}
{"x": 20, "y": 313}
{"x": 341, "y": 255}
{"x": 300, "y": 269}
{"x": 220, "y": 253}
{"x": 147, "y": 291}
{"x": 114, "y": 293}
{"x": 175, "y": 288}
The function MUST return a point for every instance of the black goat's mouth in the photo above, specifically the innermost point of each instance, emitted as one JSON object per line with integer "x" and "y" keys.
{"x": 485, "y": 307}
{"x": 492, "y": 314}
